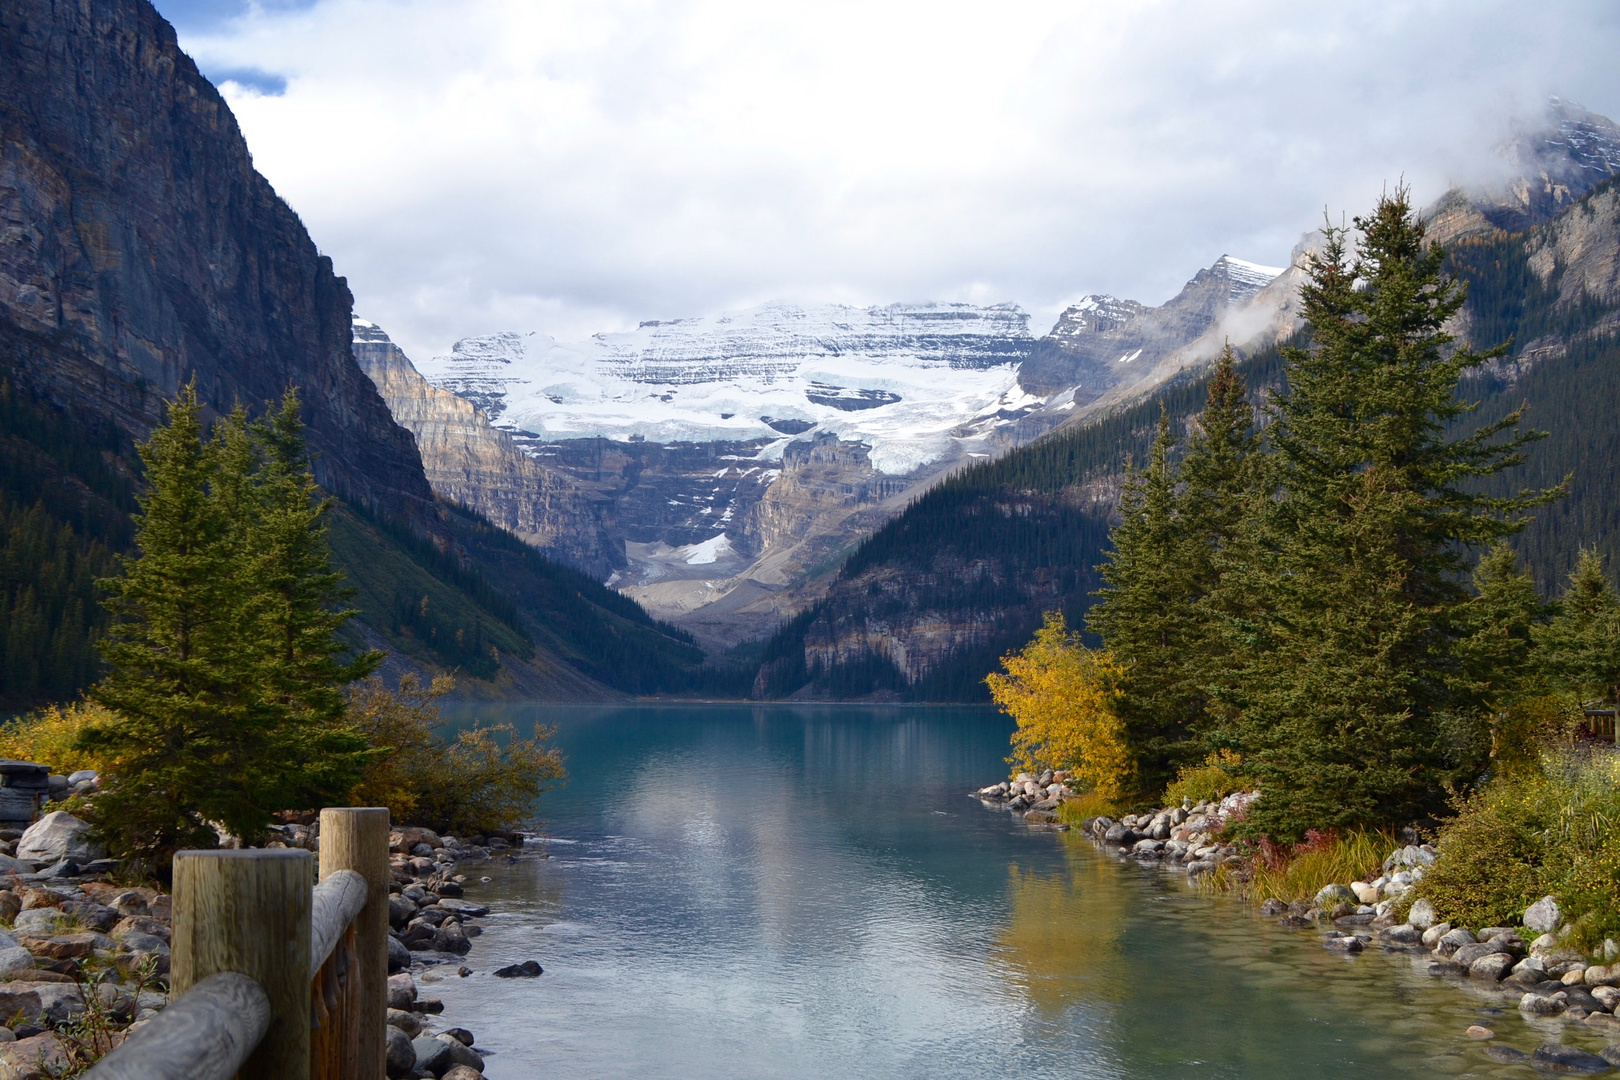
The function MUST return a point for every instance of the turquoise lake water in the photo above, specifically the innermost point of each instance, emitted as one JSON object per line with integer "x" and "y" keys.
{"x": 806, "y": 891}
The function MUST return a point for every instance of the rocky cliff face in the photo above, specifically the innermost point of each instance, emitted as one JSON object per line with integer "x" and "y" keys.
{"x": 1104, "y": 344}
{"x": 1542, "y": 171}
{"x": 470, "y": 462}
{"x": 139, "y": 249}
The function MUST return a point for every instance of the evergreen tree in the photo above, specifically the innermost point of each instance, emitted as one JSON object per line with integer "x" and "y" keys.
{"x": 1581, "y": 647}
{"x": 295, "y": 617}
{"x": 1352, "y": 699}
{"x": 1143, "y": 610}
{"x": 1163, "y": 563}
{"x": 225, "y": 665}
{"x": 177, "y": 668}
{"x": 1499, "y": 624}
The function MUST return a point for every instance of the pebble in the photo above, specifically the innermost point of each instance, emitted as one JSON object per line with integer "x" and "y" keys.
{"x": 1479, "y": 1031}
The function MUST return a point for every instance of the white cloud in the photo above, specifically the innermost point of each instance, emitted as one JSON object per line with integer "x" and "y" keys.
{"x": 575, "y": 166}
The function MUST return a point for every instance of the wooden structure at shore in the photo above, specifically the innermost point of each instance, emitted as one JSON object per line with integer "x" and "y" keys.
{"x": 273, "y": 976}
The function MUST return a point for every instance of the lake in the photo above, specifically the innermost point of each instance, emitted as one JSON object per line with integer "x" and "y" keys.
{"x": 807, "y": 891}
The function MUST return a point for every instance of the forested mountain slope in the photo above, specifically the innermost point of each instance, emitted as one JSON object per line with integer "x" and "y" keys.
{"x": 927, "y": 604}
{"x": 142, "y": 251}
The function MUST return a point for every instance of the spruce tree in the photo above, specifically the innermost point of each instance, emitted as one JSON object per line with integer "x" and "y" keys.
{"x": 178, "y": 671}
{"x": 1162, "y": 565}
{"x": 1499, "y": 626}
{"x": 295, "y": 617}
{"x": 225, "y": 665}
{"x": 1352, "y": 701}
{"x": 1580, "y": 649}
{"x": 1143, "y": 610}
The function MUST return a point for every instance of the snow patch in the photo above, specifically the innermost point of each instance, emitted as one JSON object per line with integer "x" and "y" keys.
{"x": 711, "y": 550}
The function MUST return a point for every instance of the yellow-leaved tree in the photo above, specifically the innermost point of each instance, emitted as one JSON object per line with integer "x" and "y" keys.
{"x": 1064, "y": 697}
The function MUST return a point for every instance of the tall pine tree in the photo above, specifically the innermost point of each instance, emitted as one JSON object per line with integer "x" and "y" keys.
{"x": 225, "y": 667}
{"x": 1351, "y": 698}
{"x": 1580, "y": 649}
{"x": 1162, "y": 564}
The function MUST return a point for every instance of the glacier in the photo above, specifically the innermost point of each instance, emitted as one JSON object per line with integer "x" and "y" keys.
{"x": 913, "y": 382}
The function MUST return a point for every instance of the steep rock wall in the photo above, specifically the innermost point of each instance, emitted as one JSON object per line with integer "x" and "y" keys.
{"x": 471, "y": 462}
{"x": 139, "y": 249}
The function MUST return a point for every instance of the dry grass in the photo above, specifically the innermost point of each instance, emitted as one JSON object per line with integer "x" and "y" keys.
{"x": 1300, "y": 871}
{"x": 1091, "y": 804}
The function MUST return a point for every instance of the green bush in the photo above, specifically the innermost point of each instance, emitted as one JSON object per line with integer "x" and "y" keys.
{"x": 1216, "y": 778}
{"x": 1552, "y": 831}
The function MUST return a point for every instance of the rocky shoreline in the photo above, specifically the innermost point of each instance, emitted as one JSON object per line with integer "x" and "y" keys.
{"x": 84, "y": 960}
{"x": 1544, "y": 979}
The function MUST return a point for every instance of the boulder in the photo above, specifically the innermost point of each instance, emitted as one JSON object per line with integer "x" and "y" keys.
{"x": 529, "y": 969}
{"x": 403, "y": 840}
{"x": 1578, "y": 997}
{"x": 401, "y": 910}
{"x": 401, "y": 1060}
{"x": 1403, "y": 934}
{"x": 1611, "y": 1054}
{"x": 65, "y": 946}
{"x": 461, "y": 1054}
{"x": 1364, "y": 893}
{"x": 465, "y": 908}
{"x": 408, "y": 1022}
{"x": 1566, "y": 1060}
{"x": 59, "y": 836}
{"x": 1467, "y": 954}
{"x": 1344, "y": 944}
{"x": 1603, "y": 975}
{"x": 401, "y": 991}
{"x": 36, "y": 1056}
{"x": 462, "y": 1072}
{"x": 399, "y": 957}
{"x": 14, "y": 958}
{"x": 1609, "y": 996}
{"x": 1492, "y": 967}
{"x": 1543, "y": 916}
{"x": 1507, "y": 1055}
{"x": 432, "y": 1055}
{"x": 1422, "y": 914}
{"x": 1332, "y": 895}
{"x": 1273, "y": 908}
{"x": 1533, "y": 1004}
{"x": 1453, "y": 940}
{"x": 1432, "y": 936}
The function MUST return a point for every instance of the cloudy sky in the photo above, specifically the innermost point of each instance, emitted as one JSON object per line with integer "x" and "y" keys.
{"x": 570, "y": 166}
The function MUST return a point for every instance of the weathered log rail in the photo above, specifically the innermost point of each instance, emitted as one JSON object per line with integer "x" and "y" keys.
{"x": 274, "y": 977}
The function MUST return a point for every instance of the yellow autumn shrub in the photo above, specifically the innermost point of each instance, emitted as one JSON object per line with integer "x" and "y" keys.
{"x": 48, "y": 736}
{"x": 1064, "y": 698}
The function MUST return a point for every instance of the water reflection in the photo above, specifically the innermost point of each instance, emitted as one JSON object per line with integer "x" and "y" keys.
{"x": 1061, "y": 941}
{"x": 806, "y": 892}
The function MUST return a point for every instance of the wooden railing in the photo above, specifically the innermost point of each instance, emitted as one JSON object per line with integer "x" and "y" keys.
{"x": 271, "y": 978}
{"x": 1600, "y": 724}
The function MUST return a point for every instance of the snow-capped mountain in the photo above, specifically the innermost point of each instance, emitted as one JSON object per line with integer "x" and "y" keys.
{"x": 913, "y": 383}
{"x": 730, "y": 455}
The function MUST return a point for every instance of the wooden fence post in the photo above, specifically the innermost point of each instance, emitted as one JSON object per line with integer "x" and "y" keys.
{"x": 249, "y": 912}
{"x": 356, "y": 838}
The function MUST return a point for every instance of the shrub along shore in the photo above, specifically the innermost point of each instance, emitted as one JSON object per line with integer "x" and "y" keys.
{"x": 1369, "y": 890}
